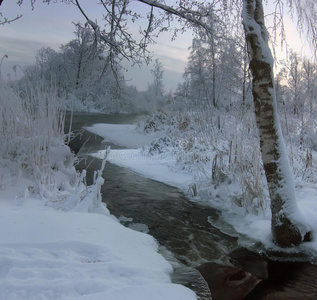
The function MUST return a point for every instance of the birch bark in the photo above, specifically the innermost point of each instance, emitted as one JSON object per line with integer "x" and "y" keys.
{"x": 287, "y": 227}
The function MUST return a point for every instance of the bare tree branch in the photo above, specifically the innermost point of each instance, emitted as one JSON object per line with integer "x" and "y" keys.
{"x": 183, "y": 13}
{"x": 306, "y": 11}
{"x": 5, "y": 20}
{"x": 96, "y": 28}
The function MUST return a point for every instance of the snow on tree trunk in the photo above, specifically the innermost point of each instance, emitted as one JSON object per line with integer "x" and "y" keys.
{"x": 287, "y": 224}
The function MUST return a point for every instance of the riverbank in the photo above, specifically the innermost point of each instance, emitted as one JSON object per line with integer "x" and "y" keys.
{"x": 163, "y": 167}
{"x": 66, "y": 245}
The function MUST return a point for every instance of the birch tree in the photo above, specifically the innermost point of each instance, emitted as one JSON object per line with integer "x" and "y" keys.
{"x": 286, "y": 228}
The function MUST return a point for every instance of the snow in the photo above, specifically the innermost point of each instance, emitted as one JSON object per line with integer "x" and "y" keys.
{"x": 71, "y": 251}
{"x": 121, "y": 134}
{"x": 258, "y": 227}
{"x": 162, "y": 168}
{"x": 290, "y": 208}
{"x": 50, "y": 251}
{"x": 254, "y": 27}
{"x": 154, "y": 167}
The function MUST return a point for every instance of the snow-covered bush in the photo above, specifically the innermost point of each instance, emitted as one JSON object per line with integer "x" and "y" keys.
{"x": 300, "y": 136}
{"x": 32, "y": 133}
{"x": 89, "y": 199}
{"x": 219, "y": 148}
{"x": 157, "y": 122}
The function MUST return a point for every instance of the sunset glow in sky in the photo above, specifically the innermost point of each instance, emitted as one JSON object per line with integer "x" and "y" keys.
{"x": 51, "y": 25}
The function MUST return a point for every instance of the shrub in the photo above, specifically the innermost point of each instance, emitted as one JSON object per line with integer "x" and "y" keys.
{"x": 31, "y": 124}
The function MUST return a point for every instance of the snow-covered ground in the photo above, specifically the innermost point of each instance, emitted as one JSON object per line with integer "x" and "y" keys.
{"x": 57, "y": 250}
{"x": 163, "y": 168}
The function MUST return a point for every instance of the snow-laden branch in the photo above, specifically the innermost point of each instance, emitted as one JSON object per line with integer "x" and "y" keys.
{"x": 306, "y": 11}
{"x": 183, "y": 13}
{"x": 98, "y": 34}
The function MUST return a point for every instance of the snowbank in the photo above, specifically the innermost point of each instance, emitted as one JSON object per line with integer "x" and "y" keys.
{"x": 57, "y": 239}
{"x": 121, "y": 135}
{"x": 55, "y": 249}
{"x": 50, "y": 254}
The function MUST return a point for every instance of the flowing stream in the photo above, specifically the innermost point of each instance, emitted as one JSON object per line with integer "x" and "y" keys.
{"x": 181, "y": 227}
{"x": 189, "y": 234}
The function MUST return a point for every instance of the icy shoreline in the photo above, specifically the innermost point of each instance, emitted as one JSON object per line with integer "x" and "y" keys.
{"x": 163, "y": 168}
{"x": 55, "y": 249}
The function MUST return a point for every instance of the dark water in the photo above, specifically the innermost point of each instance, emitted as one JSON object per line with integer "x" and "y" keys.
{"x": 181, "y": 227}
{"x": 177, "y": 223}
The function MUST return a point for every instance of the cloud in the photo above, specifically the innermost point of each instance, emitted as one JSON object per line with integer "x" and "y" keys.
{"x": 173, "y": 57}
{"x": 46, "y": 26}
{"x": 51, "y": 25}
{"x": 20, "y": 52}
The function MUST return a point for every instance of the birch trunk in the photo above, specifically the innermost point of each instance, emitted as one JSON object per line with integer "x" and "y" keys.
{"x": 287, "y": 229}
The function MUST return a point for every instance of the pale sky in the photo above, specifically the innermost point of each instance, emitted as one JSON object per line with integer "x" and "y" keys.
{"x": 51, "y": 25}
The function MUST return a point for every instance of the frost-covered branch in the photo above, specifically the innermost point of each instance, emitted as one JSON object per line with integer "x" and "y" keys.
{"x": 116, "y": 35}
{"x": 194, "y": 13}
{"x": 100, "y": 36}
{"x": 119, "y": 38}
{"x": 5, "y": 20}
{"x": 306, "y": 12}
{"x": 194, "y": 17}
{"x": 91, "y": 201}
